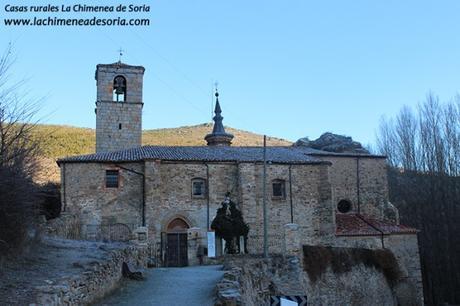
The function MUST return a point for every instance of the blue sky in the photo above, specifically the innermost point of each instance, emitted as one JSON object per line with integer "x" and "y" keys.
{"x": 285, "y": 68}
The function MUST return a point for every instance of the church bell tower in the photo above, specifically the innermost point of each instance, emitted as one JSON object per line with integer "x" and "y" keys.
{"x": 118, "y": 106}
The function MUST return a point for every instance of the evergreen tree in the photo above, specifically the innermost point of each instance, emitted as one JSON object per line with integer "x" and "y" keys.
{"x": 229, "y": 224}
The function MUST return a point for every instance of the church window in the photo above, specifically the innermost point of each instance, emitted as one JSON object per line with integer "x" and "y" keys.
{"x": 344, "y": 206}
{"x": 279, "y": 189}
{"x": 111, "y": 178}
{"x": 119, "y": 89}
{"x": 198, "y": 188}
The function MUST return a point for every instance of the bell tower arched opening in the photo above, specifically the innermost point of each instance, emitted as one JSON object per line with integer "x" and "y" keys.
{"x": 119, "y": 89}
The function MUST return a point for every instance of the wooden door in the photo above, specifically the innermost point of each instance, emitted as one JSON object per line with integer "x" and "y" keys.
{"x": 176, "y": 250}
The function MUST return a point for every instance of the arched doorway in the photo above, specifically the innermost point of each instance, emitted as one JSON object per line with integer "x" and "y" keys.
{"x": 176, "y": 243}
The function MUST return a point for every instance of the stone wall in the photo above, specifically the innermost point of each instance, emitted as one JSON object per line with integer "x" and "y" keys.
{"x": 250, "y": 280}
{"x": 310, "y": 198}
{"x": 94, "y": 283}
{"x": 405, "y": 248}
{"x": 118, "y": 124}
{"x": 373, "y": 183}
{"x": 84, "y": 194}
{"x": 168, "y": 195}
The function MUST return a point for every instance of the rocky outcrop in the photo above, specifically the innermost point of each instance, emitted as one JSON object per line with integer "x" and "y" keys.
{"x": 333, "y": 143}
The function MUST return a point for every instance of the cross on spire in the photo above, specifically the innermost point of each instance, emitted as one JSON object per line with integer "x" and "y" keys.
{"x": 120, "y": 54}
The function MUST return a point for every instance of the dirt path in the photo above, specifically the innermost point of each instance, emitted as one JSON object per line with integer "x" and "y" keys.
{"x": 170, "y": 287}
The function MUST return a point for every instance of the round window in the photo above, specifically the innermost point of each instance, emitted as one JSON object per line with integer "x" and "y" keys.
{"x": 344, "y": 206}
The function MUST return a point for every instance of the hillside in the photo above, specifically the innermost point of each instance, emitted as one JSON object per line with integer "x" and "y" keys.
{"x": 194, "y": 136}
{"x": 61, "y": 140}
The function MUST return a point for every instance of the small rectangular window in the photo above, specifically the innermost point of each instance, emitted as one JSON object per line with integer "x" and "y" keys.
{"x": 111, "y": 178}
{"x": 279, "y": 189}
{"x": 198, "y": 188}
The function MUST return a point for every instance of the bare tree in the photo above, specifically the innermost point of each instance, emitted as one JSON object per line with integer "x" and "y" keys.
{"x": 426, "y": 145}
{"x": 17, "y": 119}
{"x": 427, "y": 140}
{"x": 406, "y": 138}
{"x": 18, "y": 153}
{"x": 431, "y": 140}
{"x": 386, "y": 139}
{"x": 451, "y": 135}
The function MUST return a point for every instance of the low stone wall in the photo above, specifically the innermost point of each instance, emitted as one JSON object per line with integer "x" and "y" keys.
{"x": 251, "y": 280}
{"x": 94, "y": 283}
{"x": 229, "y": 288}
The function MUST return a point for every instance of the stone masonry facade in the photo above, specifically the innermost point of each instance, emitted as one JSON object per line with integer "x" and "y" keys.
{"x": 118, "y": 123}
{"x": 168, "y": 195}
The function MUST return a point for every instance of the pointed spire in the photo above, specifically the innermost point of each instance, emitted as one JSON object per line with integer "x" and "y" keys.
{"x": 218, "y": 137}
{"x": 217, "y": 109}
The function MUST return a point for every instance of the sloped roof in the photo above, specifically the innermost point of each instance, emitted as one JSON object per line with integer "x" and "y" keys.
{"x": 316, "y": 152}
{"x": 284, "y": 155}
{"x": 359, "y": 225}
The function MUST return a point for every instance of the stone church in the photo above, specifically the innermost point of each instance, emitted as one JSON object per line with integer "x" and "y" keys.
{"x": 170, "y": 195}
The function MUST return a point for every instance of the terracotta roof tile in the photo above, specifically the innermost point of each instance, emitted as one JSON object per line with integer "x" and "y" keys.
{"x": 359, "y": 225}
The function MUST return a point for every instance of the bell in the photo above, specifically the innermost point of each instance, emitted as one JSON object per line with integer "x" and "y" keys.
{"x": 119, "y": 90}
{"x": 120, "y": 85}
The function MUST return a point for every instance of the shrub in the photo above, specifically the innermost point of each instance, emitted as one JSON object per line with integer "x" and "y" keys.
{"x": 50, "y": 198}
{"x": 317, "y": 259}
{"x": 17, "y": 209}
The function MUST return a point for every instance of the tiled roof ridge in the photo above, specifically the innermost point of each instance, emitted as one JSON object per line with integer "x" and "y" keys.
{"x": 379, "y": 224}
{"x": 291, "y": 153}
